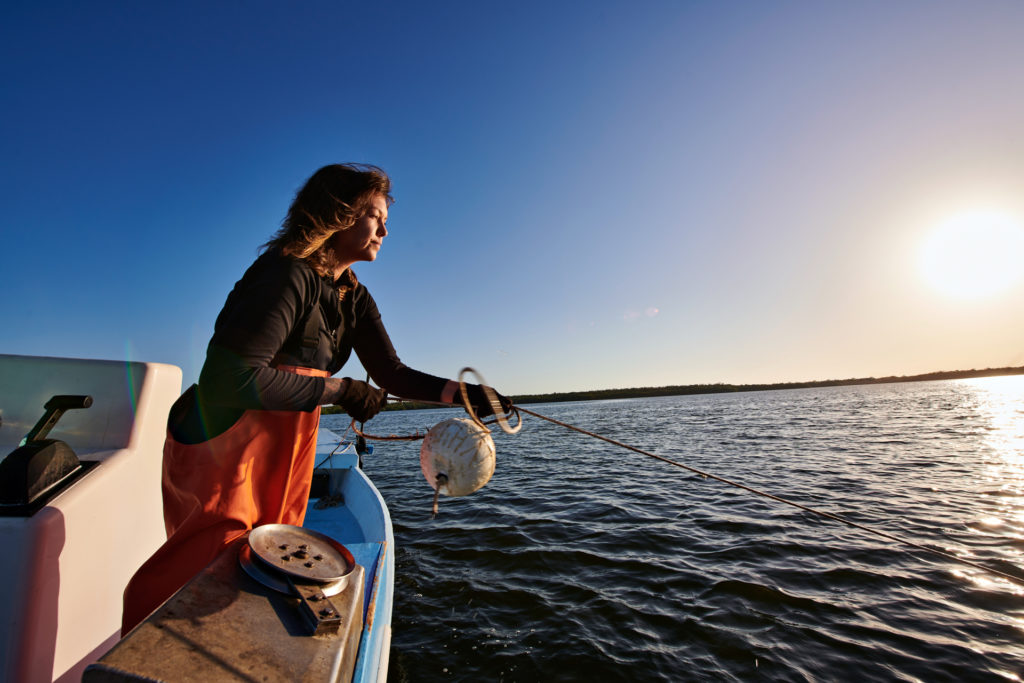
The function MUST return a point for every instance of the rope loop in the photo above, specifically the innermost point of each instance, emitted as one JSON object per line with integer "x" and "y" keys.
{"x": 500, "y": 416}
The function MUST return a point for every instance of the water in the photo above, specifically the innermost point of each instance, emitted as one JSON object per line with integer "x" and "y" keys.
{"x": 583, "y": 561}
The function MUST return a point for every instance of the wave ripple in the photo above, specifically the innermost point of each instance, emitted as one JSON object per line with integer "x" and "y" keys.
{"x": 580, "y": 561}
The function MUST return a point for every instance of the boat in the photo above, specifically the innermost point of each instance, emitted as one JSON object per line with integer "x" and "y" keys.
{"x": 345, "y": 505}
{"x": 74, "y": 536}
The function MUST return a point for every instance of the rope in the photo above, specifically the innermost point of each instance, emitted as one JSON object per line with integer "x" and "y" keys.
{"x": 492, "y": 399}
{"x": 440, "y": 481}
{"x": 500, "y": 417}
{"x": 394, "y": 437}
{"x": 417, "y": 436}
{"x": 820, "y": 513}
{"x": 330, "y": 455}
{"x": 360, "y": 444}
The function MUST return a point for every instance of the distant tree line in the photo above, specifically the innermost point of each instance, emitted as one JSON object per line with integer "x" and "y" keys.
{"x": 687, "y": 389}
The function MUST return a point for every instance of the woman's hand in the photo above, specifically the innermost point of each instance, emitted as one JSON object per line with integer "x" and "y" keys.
{"x": 478, "y": 399}
{"x": 359, "y": 399}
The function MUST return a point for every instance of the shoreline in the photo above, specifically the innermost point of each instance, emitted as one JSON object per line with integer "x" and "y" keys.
{"x": 721, "y": 388}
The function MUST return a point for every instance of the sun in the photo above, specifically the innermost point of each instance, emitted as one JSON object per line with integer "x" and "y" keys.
{"x": 974, "y": 255}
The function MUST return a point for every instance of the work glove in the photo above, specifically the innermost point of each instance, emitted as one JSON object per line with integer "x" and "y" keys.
{"x": 481, "y": 406}
{"x": 360, "y": 400}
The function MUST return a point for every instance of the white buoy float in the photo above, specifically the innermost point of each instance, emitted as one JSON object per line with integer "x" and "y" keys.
{"x": 457, "y": 457}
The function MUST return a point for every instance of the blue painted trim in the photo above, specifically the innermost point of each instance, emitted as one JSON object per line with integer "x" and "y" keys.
{"x": 381, "y": 600}
{"x": 364, "y": 520}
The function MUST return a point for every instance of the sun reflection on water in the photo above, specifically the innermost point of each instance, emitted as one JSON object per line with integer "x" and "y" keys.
{"x": 988, "y": 582}
{"x": 998, "y": 402}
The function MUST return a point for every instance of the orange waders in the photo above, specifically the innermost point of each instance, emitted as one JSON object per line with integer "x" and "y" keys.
{"x": 257, "y": 472}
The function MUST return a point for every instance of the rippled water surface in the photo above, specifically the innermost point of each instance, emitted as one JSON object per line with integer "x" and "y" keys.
{"x": 584, "y": 561}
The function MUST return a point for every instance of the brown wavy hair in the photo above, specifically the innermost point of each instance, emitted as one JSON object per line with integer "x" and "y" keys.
{"x": 331, "y": 200}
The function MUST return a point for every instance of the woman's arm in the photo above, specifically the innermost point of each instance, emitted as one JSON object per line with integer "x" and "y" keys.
{"x": 258, "y": 317}
{"x": 377, "y": 354}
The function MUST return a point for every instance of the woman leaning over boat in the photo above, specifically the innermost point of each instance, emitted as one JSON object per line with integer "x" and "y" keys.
{"x": 240, "y": 443}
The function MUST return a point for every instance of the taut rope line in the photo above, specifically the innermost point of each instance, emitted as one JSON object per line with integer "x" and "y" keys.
{"x": 501, "y": 419}
{"x": 820, "y": 513}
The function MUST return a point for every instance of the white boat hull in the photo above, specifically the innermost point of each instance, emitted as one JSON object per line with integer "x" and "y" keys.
{"x": 64, "y": 569}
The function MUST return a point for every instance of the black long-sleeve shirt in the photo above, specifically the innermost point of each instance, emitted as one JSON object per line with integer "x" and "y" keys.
{"x": 262, "y": 325}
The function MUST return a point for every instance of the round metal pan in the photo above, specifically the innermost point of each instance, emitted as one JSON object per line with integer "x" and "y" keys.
{"x": 271, "y": 578}
{"x": 301, "y": 553}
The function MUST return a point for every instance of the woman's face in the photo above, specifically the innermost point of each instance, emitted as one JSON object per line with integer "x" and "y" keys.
{"x": 362, "y": 241}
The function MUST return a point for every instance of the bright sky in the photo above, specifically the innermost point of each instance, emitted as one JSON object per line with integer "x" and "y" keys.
{"x": 589, "y": 195}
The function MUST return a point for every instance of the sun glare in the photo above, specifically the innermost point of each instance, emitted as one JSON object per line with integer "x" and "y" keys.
{"x": 974, "y": 255}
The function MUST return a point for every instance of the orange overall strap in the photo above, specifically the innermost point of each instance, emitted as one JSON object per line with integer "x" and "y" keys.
{"x": 256, "y": 472}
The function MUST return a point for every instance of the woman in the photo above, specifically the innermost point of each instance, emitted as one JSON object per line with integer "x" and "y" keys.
{"x": 240, "y": 444}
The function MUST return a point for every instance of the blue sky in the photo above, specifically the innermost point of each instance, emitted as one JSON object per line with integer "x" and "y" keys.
{"x": 589, "y": 195}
